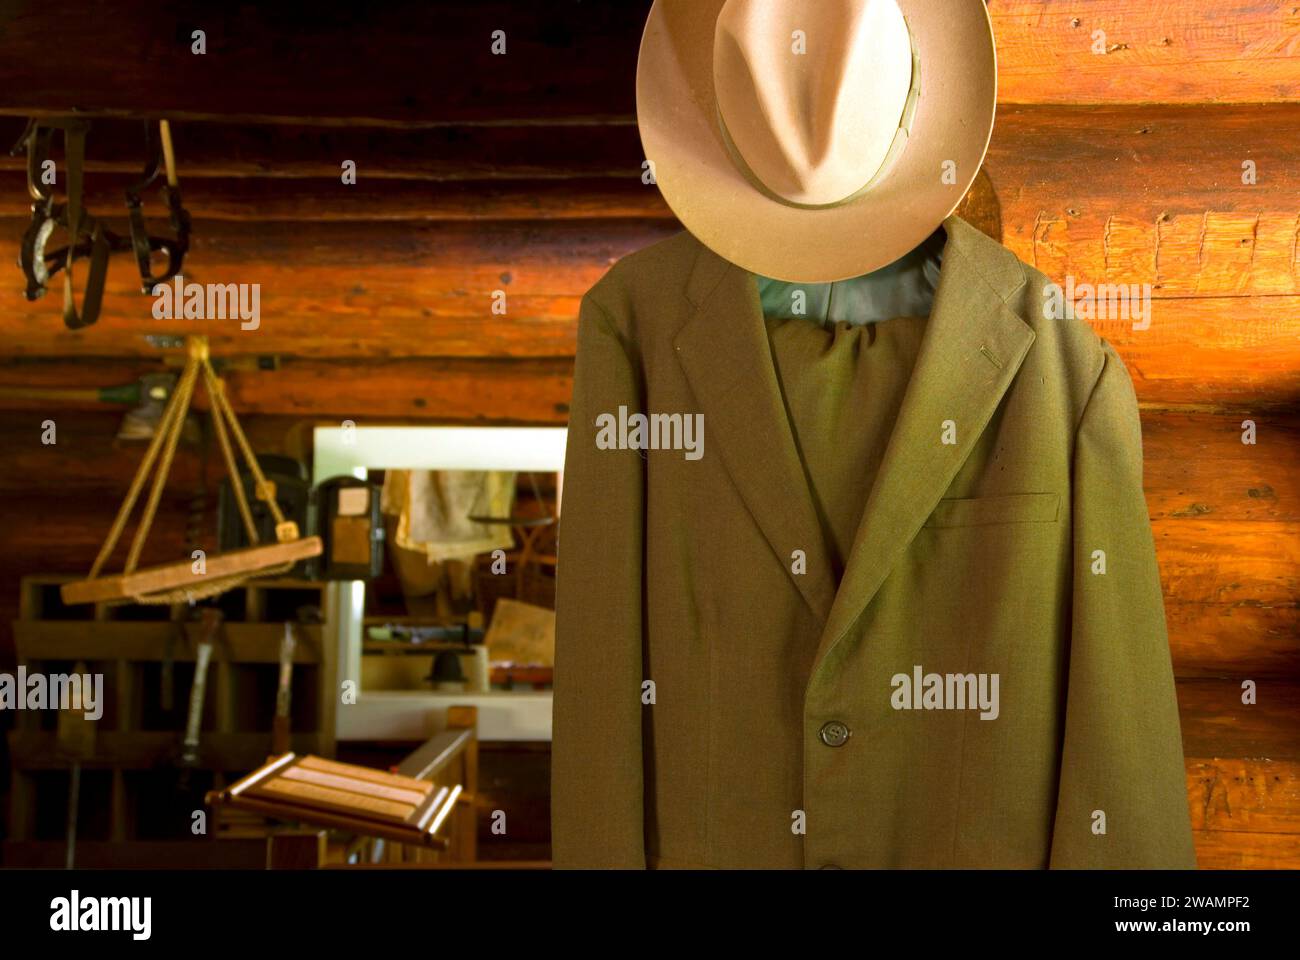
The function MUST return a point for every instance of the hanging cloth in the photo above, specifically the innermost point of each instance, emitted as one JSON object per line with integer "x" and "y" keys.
{"x": 434, "y": 507}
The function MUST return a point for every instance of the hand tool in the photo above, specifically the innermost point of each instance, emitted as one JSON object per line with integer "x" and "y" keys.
{"x": 209, "y": 629}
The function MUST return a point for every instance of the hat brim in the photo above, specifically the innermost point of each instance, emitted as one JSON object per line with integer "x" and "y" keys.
{"x": 677, "y": 117}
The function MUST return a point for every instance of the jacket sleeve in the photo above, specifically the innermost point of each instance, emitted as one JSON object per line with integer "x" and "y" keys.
{"x": 597, "y": 817}
{"x": 1122, "y": 757}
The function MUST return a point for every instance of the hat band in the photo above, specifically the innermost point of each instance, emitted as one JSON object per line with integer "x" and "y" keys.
{"x": 891, "y": 155}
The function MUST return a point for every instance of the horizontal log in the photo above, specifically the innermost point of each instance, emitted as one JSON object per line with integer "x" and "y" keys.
{"x": 1249, "y": 638}
{"x": 531, "y": 391}
{"x": 1142, "y": 151}
{"x": 378, "y": 315}
{"x": 404, "y": 62}
{"x": 1213, "y": 351}
{"x": 1189, "y": 51}
{"x": 368, "y": 289}
{"x": 532, "y": 150}
{"x": 1216, "y": 724}
{"x": 366, "y": 262}
{"x": 1252, "y": 561}
{"x": 1113, "y": 195}
{"x": 1245, "y": 813}
{"x": 1196, "y": 466}
{"x": 1228, "y": 850}
{"x": 1257, "y": 796}
{"x": 379, "y": 68}
{"x": 369, "y": 200}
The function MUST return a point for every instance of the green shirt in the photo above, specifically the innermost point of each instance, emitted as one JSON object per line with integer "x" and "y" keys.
{"x": 843, "y": 354}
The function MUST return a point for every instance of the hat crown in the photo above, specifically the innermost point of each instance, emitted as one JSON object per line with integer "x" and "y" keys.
{"x": 811, "y": 94}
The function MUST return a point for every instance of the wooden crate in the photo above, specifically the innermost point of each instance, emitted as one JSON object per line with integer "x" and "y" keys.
{"x": 129, "y": 779}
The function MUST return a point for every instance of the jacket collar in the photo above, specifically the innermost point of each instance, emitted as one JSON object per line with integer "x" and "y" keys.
{"x": 724, "y": 351}
{"x": 972, "y": 347}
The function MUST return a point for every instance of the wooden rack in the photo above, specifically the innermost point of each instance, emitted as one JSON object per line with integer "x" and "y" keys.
{"x": 132, "y": 769}
{"x": 422, "y": 813}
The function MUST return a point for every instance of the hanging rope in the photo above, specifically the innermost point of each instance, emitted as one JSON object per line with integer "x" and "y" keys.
{"x": 185, "y": 391}
{"x": 265, "y": 490}
{"x": 174, "y": 412}
{"x": 162, "y": 451}
{"x": 232, "y": 471}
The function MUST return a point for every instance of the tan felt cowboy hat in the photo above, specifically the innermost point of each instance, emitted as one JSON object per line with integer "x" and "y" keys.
{"x": 815, "y": 140}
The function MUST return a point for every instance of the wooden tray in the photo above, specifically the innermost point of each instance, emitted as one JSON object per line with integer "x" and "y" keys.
{"x": 310, "y": 789}
{"x": 171, "y": 576}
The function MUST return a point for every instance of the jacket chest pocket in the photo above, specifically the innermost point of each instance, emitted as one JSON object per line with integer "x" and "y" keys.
{"x": 986, "y": 511}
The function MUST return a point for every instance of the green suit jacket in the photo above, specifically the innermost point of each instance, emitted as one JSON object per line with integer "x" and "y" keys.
{"x": 720, "y": 700}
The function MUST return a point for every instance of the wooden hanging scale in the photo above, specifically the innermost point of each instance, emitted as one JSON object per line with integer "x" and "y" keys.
{"x": 189, "y": 580}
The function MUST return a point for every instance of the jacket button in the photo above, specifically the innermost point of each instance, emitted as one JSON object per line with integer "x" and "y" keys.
{"x": 835, "y": 733}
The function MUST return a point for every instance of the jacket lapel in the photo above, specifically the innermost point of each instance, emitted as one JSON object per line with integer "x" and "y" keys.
{"x": 723, "y": 348}
{"x": 972, "y": 347}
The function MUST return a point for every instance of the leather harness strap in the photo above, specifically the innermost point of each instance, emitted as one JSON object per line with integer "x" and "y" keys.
{"x": 74, "y": 138}
{"x": 87, "y": 236}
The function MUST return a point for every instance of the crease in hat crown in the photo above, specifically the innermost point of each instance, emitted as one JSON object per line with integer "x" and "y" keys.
{"x": 818, "y": 127}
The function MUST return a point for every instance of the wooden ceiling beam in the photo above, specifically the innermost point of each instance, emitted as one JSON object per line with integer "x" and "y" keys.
{"x": 535, "y": 151}
{"x": 259, "y": 199}
{"x": 420, "y": 64}
{"x": 408, "y": 62}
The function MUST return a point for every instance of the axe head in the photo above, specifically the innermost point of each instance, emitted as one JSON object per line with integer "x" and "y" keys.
{"x": 141, "y": 422}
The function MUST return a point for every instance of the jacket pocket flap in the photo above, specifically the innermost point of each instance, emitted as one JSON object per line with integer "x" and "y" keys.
{"x": 980, "y": 511}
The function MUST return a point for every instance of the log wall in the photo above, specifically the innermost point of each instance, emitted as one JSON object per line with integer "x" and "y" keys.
{"x": 1125, "y": 132}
